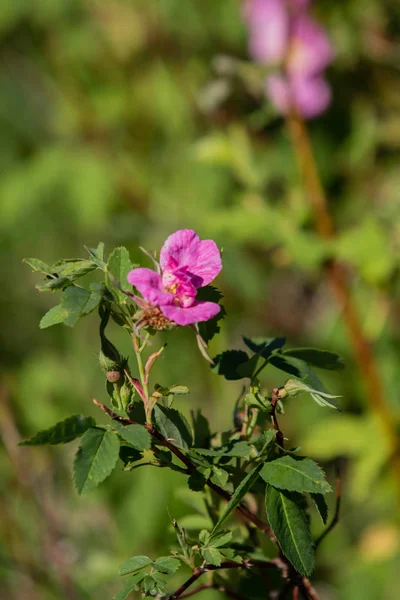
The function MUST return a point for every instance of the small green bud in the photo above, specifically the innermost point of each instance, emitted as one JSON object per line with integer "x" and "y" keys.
{"x": 126, "y": 393}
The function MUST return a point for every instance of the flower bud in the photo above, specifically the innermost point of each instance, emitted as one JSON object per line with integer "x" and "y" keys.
{"x": 126, "y": 393}
{"x": 113, "y": 376}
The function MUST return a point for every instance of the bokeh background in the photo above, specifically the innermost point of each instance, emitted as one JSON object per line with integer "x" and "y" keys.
{"x": 122, "y": 121}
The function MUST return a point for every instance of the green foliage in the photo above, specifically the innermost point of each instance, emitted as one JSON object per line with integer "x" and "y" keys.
{"x": 95, "y": 460}
{"x": 208, "y": 329}
{"x": 135, "y": 435}
{"x": 173, "y": 426}
{"x": 76, "y": 302}
{"x": 296, "y": 474}
{"x": 63, "y": 432}
{"x": 243, "y": 488}
{"x": 227, "y": 364}
{"x": 321, "y": 506}
{"x": 317, "y": 358}
{"x": 118, "y": 267}
{"x": 136, "y": 563}
{"x": 288, "y": 520}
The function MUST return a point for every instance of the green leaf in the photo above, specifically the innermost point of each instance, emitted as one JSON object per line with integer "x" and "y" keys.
{"x": 221, "y": 538}
{"x": 167, "y": 565}
{"x": 74, "y": 268}
{"x": 227, "y": 363}
{"x": 208, "y": 329}
{"x": 321, "y": 397}
{"x": 201, "y": 429}
{"x": 118, "y": 266}
{"x": 219, "y": 476}
{"x": 56, "y": 314}
{"x": 197, "y": 481}
{"x": 96, "y": 458}
{"x": 238, "y": 495}
{"x": 264, "y": 346}
{"x": 321, "y": 506}
{"x": 130, "y": 585}
{"x": 37, "y": 265}
{"x": 296, "y": 474}
{"x": 129, "y": 455}
{"x": 136, "y": 435}
{"x": 288, "y": 521}
{"x": 97, "y": 255}
{"x": 173, "y": 426}
{"x": 264, "y": 440}
{"x": 63, "y": 432}
{"x": 317, "y": 358}
{"x": 248, "y": 368}
{"x": 212, "y": 556}
{"x": 133, "y": 564}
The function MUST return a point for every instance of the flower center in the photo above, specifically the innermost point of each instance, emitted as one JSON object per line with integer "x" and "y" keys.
{"x": 172, "y": 288}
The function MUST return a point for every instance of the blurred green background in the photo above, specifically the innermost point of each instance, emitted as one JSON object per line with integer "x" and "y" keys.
{"x": 122, "y": 121}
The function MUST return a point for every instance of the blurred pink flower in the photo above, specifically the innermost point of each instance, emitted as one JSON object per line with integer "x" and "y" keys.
{"x": 187, "y": 263}
{"x": 310, "y": 95}
{"x": 283, "y": 34}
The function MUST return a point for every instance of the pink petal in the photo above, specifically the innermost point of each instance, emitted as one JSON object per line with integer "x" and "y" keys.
{"x": 184, "y": 249}
{"x": 311, "y": 51}
{"x": 268, "y": 23}
{"x": 199, "y": 311}
{"x": 208, "y": 263}
{"x": 149, "y": 284}
{"x": 310, "y": 96}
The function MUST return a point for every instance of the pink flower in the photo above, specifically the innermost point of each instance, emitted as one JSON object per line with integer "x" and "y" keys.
{"x": 283, "y": 34}
{"x": 187, "y": 263}
{"x": 310, "y": 96}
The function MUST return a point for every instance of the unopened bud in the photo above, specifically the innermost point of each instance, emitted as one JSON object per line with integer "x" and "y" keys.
{"x": 113, "y": 376}
{"x": 126, "y": 393}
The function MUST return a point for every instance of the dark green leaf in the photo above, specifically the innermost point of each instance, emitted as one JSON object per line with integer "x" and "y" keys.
{"x": 296, "y": 474}
{"x": 201, "y": 430}
{"x": 264, "y": 440}
{"x": 173, "y": 426}
{"x": 321, "y": 506}
{"x": 197, "y": 481}
{"x": 289, "y": 523}
{"x": 264, "y": 346}
{"x": 289, "y": 364}
{"x": 238, "y": 495}
{"x": 248, "y": 368}
{"x": 167, "y": 565}
{"x": 130, "y": 585}
{"x": 118, "y": 266}
{"x": 317, "y": 358}
{"x": 129, "y": 455}
{"x": 136, "y": 435}
{"x": 96, "y": 458}
{"x": 62, "y": 432}
{"x": 208, "y": 329}
{"x": 227, "y": 363}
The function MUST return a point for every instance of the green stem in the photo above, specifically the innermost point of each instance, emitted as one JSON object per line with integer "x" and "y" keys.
{"x": 138, "y": 352}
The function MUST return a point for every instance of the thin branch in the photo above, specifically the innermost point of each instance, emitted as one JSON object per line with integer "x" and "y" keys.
{"x": 241, "y": 509}
{"x": 281, "y": 562}
{"x": 339, "y": 282}
{"x": 229, "y": 564}
{"x": 213, "y": 586}
{"x": 336, "y": 516}
{"x": 274, "y": 402}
